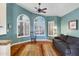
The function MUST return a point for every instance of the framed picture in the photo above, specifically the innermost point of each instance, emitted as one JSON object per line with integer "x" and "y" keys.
{"x": 73, "y": 24}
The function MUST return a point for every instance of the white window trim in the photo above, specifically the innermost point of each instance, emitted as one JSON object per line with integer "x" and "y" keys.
{"x": 48, "y": 28}
{"x": 23, "y": 32}
{"x": 44, "y": 28}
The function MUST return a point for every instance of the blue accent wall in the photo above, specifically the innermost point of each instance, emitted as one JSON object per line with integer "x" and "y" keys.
{"x": 74, "y": 15}
{"x": 13, "y": 10}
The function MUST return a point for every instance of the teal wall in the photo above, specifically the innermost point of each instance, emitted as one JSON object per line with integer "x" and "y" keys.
{"x": 13, "y": 10}
{"x": 74, "y": 15}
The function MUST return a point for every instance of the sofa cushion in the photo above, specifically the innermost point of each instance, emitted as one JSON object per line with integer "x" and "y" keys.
{"x": 74, "y": 45}
{"x": 72, "y": 40}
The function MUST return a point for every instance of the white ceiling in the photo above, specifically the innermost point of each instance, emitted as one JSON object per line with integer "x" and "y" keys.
{"x": 53, "y": 9}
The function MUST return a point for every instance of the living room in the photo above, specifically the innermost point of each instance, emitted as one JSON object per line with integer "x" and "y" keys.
{"x": 23, "y": 23}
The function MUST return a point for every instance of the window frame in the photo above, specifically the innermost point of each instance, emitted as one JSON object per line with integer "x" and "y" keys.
{"x": 39, "y": 25}
{"x": 52, "y": 27}
{"x": 18, "y": 21}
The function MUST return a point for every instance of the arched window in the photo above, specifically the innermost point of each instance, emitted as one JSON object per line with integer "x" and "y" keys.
{"x": 23, "y": 26}
{"x": 39, "y": 26}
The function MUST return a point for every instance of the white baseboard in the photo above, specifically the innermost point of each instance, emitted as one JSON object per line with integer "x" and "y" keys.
{"x": 30, "y": 41}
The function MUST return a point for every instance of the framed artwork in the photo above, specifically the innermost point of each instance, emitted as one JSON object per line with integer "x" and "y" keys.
{"x": 73, "y": 24}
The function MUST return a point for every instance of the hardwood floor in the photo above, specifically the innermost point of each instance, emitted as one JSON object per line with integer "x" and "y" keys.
{"x": 40, "y": 48}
